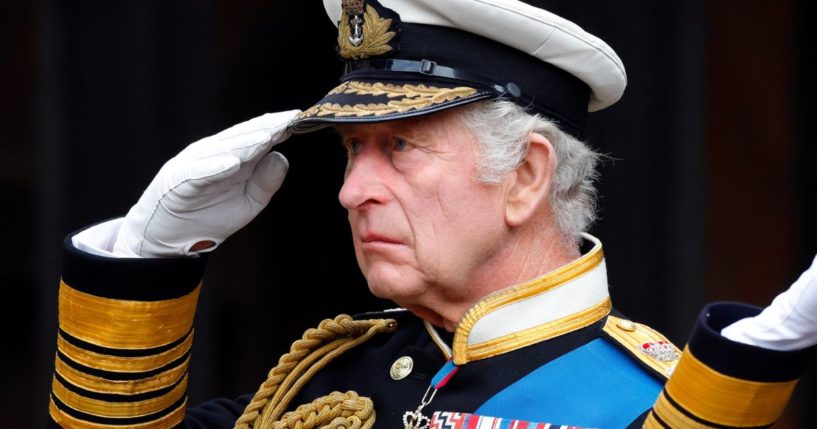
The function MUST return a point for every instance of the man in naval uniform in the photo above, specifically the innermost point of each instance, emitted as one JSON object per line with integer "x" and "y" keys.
{"x": 468, "y": 192}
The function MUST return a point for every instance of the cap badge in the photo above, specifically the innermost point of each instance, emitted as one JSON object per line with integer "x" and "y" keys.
{"x": 363, "y": 34}
{"x": 354, "y": 10}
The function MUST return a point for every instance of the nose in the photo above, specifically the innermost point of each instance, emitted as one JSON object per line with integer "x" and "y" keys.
{"x": 364, "y": 183}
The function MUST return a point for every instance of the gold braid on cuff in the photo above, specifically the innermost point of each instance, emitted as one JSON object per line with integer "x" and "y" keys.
{"x": 121, "y": 360}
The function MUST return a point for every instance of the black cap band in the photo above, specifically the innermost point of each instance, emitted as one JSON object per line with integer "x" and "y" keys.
{"x": 364, "y": 68}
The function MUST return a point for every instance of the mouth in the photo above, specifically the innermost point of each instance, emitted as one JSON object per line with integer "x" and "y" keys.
{"x": 378, "y": 239}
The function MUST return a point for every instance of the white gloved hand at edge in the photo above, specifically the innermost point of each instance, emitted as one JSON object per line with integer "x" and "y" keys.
{"x": 210, "y": 190}
{"x": 789, "y": 323}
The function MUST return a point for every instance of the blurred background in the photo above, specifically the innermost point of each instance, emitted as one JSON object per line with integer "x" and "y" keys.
{"x": 709, "y": 195}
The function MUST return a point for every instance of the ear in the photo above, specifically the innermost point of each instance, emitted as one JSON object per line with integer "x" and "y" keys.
{"x": 530, "y": 184}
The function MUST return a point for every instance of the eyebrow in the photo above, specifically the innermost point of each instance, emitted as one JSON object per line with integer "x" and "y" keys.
{"x": 400, "y": 128}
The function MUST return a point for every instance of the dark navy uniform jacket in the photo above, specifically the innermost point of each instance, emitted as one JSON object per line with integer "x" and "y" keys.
{"x": 547, "y": 351}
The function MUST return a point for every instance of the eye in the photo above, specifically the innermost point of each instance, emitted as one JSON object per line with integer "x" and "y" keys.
{"x": 352, "y": 146}
{"x": 400, "y": 145}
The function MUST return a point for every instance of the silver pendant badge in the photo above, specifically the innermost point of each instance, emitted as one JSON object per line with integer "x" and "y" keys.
{"x": 416, "y": 419}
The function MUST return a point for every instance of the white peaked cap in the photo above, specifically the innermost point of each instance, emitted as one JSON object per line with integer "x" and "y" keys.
{"x": 534, "y": 31}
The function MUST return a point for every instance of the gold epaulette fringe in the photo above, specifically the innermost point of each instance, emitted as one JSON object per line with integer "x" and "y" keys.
{"x": 306, "y": 357}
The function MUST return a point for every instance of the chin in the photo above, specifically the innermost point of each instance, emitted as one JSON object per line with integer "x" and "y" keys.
{"x": 394, "y": 286}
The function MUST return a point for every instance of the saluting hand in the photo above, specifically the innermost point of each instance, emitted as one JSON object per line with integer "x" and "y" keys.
{"x": 789, "y": 323}
{"x": 208, "y": 191}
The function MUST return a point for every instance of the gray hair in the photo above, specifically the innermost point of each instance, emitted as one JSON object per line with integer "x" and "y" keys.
{"x": 502, "y": 129}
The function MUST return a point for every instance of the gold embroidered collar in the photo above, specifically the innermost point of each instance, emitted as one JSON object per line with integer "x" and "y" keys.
{"x": 564, "y": 300}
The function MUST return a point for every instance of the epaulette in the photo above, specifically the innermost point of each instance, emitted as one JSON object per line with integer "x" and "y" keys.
{"x": 646, "y": 345}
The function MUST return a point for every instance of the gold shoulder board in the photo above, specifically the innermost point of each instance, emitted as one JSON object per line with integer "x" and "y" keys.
{"x": 644, "y": 344}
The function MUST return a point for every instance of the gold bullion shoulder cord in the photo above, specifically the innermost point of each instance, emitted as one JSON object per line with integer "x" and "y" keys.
{"x": 306, "y": 357}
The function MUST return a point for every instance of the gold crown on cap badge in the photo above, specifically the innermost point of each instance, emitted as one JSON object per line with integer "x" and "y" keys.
{"x": 362, "y": 32}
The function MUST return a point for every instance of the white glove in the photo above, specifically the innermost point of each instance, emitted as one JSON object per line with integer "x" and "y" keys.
{"x": 208, "y": 191}
{"x": 789, "y": 323}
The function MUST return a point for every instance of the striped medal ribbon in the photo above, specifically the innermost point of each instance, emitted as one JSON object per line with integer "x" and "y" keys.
{"x": 415, "y": 419}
